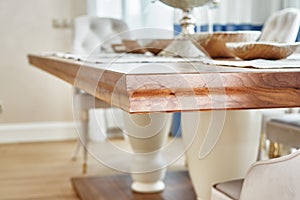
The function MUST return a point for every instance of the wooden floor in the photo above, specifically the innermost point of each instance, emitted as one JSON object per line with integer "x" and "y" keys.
{"x": 43, "y": 171}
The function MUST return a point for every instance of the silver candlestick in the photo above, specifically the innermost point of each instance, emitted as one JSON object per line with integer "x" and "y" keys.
{"x": 183, "y": 46}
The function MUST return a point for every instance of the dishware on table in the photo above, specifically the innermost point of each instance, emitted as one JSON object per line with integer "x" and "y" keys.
{"x": 142, "y": 46}
{"x": 182, "y": 46}
{"x": 262, "y": 50}
{"x": 215, "y": 43}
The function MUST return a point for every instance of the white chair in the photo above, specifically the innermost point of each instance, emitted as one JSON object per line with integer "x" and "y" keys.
{"x": 276, "y": 179}
{"x": 94, "y": 35}
{"x": 282, "y": 26}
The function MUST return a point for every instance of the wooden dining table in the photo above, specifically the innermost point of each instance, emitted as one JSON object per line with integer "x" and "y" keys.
{"x": 161, "y": 87}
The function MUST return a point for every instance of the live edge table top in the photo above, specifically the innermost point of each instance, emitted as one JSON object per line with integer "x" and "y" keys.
{"x": 172, "y": 87}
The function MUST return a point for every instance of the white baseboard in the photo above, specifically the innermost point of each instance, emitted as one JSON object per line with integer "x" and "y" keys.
{"x": 37, "y": 132}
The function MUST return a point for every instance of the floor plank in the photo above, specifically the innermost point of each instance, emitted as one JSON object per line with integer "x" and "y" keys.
{"x": 35, "y": 171}
{"x": 41, "y": 171}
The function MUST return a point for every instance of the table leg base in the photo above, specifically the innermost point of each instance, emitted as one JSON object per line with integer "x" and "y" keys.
{"x": 178, "y": 187}
{"x": 148, "y": 187}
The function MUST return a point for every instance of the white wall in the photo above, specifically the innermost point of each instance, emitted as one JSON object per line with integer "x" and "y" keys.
{"x": 28, "y": 94}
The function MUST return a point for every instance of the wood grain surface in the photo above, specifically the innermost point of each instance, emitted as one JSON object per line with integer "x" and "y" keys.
{"x": 42, "y": 170}
{"x": 90, "y": 188}
{"x": 180, "y": 88}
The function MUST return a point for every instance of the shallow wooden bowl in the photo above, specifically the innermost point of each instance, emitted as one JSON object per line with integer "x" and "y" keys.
{"x": 146, "y": 45}
{"x": 214, "y": 43}
{"x": 262, "y": 50}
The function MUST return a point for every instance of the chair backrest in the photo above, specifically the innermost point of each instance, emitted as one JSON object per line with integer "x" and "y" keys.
{"x": 95, "y": 33}
{"x": 275, "y": 179}
{"x": 282, "y": 26}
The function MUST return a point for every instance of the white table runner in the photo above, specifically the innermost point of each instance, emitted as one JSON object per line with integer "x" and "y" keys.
{"x": 291, "y": 62}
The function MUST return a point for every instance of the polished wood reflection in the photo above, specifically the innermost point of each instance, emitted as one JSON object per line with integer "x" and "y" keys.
{"x": 181, "y": 87}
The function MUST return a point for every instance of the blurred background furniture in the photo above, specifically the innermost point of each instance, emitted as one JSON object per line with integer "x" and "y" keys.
{"x": 270, "y": 179}
{"x": 275, "y": 179}
{"x": 92, "y": 35}
{"x": 283, "y": 130}
{"x": 96, "y": 34}
{"x": 281, "y": 26}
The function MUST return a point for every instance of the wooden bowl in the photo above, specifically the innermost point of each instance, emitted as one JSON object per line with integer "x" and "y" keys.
{"x": 146, "y": 45}
{"x": 214, "y": 43}
{"x": 262, "y": 50}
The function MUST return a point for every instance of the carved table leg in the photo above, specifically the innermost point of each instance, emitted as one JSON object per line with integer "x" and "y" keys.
{"x": 82, "y": 115}
{"x": 222, "y": 147}
{"x": 147, "y": 134}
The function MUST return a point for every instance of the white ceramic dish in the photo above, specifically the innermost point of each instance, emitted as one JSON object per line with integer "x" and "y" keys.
{"x": 262, "y": 50}
{"x": 214, "y": 43}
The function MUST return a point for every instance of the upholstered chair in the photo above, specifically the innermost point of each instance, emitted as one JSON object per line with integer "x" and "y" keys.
{"x": 282, "y": 26}
{"x": 91, "y": 33}
{"x": 276, "y": 179}
{"x": 94, "y": 35}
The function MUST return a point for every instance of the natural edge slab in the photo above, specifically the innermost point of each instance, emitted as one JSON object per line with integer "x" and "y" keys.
{"x": 184, "y": 91}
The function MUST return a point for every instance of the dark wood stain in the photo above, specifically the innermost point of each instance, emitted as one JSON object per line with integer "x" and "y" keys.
{"x": 117, "y": 187}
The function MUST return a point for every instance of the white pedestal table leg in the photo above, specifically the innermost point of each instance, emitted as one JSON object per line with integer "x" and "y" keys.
{"x": 147, "y": 134}
{"x": 230, "y": 156}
